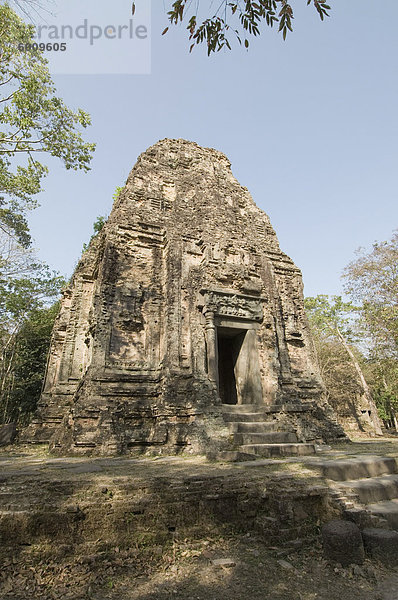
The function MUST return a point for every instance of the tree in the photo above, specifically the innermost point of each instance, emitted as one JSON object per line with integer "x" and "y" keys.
{"x": 343, "y": 388}
{"x": 333, "y": 323}
{"x": 372, "y": 281}
{"x": 382, "y": 375}
{"x": 27, "y": 359}
{"x": 27, "y": 291}
{"x": 30, "y": 7}
{"x": 33, "y": 121}
{"x": 239, "y": 19}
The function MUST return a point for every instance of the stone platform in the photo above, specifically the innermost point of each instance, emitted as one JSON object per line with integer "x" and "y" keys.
{"x": 72, "y": 500}
{"x": 76, "y": 500}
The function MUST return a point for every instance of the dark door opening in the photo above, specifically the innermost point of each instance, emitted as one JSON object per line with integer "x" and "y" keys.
{"x": 229, "y": 343}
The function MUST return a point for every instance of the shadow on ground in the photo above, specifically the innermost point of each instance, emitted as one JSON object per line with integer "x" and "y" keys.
{"x": 150, "y": 529}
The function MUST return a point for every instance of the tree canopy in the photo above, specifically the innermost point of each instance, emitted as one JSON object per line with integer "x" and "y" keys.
{"x": 238, "y": 19}
{"x": 34, "y": 122}
{"x": 372, "y": 282}
{"x": 28, "y": 289}
{"x": 97, "y": 226}
{"x": 335, "y": 327}
{"x": 26, "y": 362}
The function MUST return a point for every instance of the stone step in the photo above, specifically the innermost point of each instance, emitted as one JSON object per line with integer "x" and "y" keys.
{"x": 357, "y": 467}
{"x": 273, "y": 437}
{"x": 269, "y": 408}
{"x": 263, "y": 409}
{"x": 269, "y": 450}
{"x": 375, "y": 489}
{"x": 233, "y": 456}
{"x": 244, "y": 417}
{"x": 253, "y": 427}
{"x": 388, "y": 510}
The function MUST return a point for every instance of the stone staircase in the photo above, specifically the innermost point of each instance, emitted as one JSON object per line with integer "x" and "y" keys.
{"x": 258, "y": 436}
{"x": 365, "y": 487}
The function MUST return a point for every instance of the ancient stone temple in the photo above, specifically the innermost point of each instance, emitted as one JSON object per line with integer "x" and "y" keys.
{"x": 183, "y": 327}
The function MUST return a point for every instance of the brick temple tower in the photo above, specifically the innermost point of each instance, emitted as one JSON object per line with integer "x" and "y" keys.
{"x": 183, "y": 327}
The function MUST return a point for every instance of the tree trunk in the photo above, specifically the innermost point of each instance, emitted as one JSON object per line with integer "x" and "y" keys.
{"x": 390, "y": 408}
{"x": 372, "y": 406}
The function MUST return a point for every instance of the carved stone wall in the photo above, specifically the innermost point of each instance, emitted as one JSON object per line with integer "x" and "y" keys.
{"x": 185, "y": 263}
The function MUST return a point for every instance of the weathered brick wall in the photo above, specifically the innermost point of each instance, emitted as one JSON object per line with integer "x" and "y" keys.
{"x": 122, "y": 511}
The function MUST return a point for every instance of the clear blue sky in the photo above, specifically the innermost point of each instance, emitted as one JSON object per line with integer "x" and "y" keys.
{"x": 310, "y": 126}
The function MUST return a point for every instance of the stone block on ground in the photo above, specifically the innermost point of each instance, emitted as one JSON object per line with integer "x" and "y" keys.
{"x": 231, "y": 456}
{"x": 224, "y": 562}
{"x": 286, "y": 565}
{"x": 342, "y": 542}
{"x": 381, "y": 544}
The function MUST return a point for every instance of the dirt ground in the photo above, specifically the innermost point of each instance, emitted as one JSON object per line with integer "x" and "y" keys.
{"x": 183, "y": 569}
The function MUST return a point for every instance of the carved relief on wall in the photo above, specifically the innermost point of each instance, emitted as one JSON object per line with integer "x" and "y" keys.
{"x": 292, "y": 333}
{"x": 289, "y": 286}
{"x": 192, "y": 255}
{"x": 81, "y": 353}
{"x": 230, "y": 304}
{"x": 127, "y": 340}
{"x": 228, "y": 266}
{"x": 224, "y": 253}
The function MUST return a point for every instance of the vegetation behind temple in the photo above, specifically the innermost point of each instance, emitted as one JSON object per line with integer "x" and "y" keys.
{"x": 24, "y": 363}
{"x": 368, "y": 330}
{"x": 28, "y": 290}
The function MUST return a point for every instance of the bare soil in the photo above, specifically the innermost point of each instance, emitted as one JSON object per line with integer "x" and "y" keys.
{"x": 183, "y": 569}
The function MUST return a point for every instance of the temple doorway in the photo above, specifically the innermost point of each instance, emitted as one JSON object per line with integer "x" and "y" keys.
{"x": 239, "y": 379}
{"x": 229, "y": 343}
